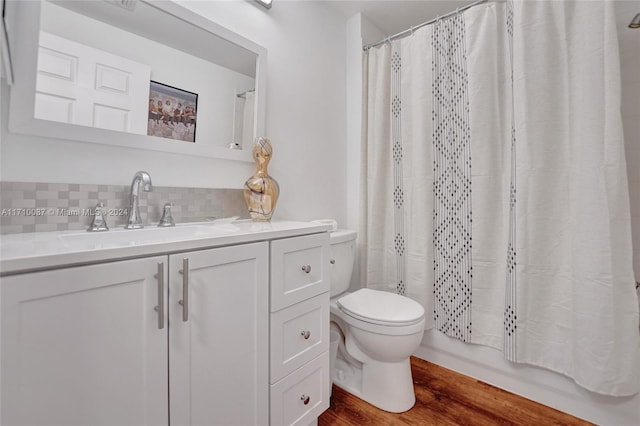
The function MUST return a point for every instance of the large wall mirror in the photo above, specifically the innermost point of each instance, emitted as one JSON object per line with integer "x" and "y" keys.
{"x": 148, "y": 75}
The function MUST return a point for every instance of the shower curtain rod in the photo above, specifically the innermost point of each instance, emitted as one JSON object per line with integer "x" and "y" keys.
{"x": 412, "y": 29}
{"x": 244, "y": 94}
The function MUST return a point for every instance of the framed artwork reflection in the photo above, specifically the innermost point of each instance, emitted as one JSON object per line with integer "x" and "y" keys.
{"x": 172, "y": 112}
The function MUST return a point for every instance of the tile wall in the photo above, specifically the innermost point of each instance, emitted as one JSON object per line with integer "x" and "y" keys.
{"x": 37, "y": 207}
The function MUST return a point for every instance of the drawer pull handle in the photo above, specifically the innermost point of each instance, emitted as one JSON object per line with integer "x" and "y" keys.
{"x": 306, "y": 268}
{"x": 160, "y": 306}
{"x": 306, "y": 334}
{"x": 185, "y": 289}
{"x": 305, "y": 399}
{"x": 332, "y": 261}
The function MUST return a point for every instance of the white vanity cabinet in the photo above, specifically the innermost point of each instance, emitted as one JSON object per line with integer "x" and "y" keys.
{"x": 300, "y": 384}
{"x": 87, "y": 345}
{"x": 229, "y": 331}
{"x": 82, "y": 346}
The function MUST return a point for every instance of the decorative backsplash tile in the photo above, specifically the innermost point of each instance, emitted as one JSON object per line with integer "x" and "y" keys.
{"x": 36, "y": 207}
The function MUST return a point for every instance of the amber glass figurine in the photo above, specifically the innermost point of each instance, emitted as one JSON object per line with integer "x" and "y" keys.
{"x": 261, "y": 190}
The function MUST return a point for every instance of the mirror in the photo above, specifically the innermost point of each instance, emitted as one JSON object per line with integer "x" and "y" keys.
{"x": 152, "y": 76}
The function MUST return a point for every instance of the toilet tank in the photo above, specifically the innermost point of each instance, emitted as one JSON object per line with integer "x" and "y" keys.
{"x": 342, "y": 252}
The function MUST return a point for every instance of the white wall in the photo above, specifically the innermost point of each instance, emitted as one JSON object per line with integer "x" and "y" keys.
{"x": 488, "y": 364}
{"x": 305, "y": 98}
{"x": 305, "y": 120}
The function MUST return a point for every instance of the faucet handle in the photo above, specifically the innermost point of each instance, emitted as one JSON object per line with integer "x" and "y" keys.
{"x": 167, "y": 219}
{"x": 99, "y": 222}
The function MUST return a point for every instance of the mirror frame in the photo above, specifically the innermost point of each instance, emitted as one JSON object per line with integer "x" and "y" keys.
{"x": 22, "y": 103}
{"x": 7, "y": 69}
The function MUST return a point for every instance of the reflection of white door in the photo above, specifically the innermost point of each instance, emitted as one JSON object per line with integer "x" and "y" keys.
{"x": 82, "y": 85}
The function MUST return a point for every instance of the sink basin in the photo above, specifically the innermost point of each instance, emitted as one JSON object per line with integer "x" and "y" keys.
{"x": 135, "y": 237}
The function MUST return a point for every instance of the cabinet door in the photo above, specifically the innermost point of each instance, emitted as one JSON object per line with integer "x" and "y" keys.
{"x": 218, "y": 339}
{"x": 83, "y": 346}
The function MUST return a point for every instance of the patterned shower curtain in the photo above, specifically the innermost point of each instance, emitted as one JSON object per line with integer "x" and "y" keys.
{"x": 495, "y": 188}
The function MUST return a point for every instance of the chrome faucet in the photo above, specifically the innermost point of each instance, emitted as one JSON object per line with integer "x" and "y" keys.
{"x": 167, "y": 219}
{"x": 99, "y": 222}
{"x": 133, "y": 220}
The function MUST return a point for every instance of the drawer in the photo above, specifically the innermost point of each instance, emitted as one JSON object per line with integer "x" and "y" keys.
{"x": 299, "y": 334}
{"x": 303, "y": 395}
{"x": 299, "y": 269}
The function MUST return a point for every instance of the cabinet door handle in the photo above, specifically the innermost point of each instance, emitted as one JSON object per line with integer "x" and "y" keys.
{"x": 160, "y": 308}
{"x": 185, "y": 289}
{"x": 306, "y": 334}
{"x": 305, "y": 399}
{"x": 306, "y": 268}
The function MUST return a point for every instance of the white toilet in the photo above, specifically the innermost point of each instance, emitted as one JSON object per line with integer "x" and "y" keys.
{"x": 379, "y": 329}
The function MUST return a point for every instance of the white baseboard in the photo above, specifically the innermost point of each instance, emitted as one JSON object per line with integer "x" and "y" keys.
{"x": 540, "y": 385}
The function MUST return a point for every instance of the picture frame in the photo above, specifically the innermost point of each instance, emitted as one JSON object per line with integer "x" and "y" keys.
{"x": 172, "y": 112}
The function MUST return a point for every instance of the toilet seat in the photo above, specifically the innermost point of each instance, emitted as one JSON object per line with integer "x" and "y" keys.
{"x": 381, "y": 308}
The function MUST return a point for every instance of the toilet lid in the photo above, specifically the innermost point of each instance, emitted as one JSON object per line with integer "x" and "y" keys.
{"x": 381, "y": 306}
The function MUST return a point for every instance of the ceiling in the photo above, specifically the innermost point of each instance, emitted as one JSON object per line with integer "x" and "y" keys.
{"x": 394, "y": 16}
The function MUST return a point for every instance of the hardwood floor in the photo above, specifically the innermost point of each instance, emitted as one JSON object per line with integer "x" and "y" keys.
{"x": 444, "y": 397}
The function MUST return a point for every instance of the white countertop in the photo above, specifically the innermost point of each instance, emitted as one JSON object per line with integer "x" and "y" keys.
{"x": 48, "y": 250}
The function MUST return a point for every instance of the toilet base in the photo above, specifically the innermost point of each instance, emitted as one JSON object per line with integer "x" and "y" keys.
{"x": 347, "y": 377}
{"x": 388, "y": 386}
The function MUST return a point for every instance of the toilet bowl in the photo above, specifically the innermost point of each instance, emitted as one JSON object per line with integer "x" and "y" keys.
{"x": 379, "y": 331}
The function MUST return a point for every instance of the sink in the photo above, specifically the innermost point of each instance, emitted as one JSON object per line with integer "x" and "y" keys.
{"x": 134, "y": 237}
